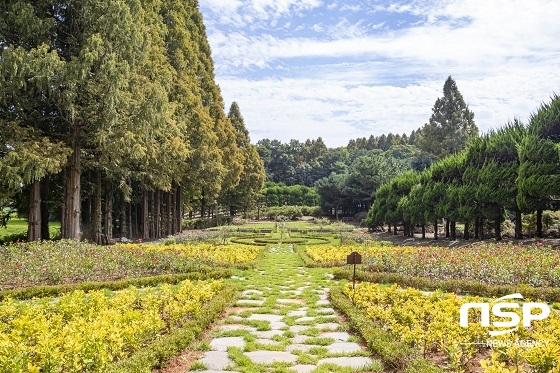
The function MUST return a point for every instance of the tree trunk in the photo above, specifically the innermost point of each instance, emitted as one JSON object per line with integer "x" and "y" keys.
{"x": 34, "y": 220}
{"x": 145, "y": 216}
{"x": 158, "y": 214}
{"x": 152, "y": 215}
{"x": 45, "y": 216}
{"x": 202, "y": 205}
{"x": 96, "y": 226}
{"x": 123, "y": 219}
{"x": 178, "y": 209}
{"x": 447, "y": 224}
{"x": 130, "y": 220}
{"x": 394, "y": 228}
{"x": 466, "y": 232}
{"x": 73, "y": 208}
{"x": 389, "y": 225}
{"x": 477, "y": 228}
{"x": 109, "y": 211}
{"x": 498, "y": 227}
{"x": 336, "y": 213}
{"x": 423, "y": 230}
{"x": 435, "y": 229}
{"x": 482, "y": 229}
{"x": 453, "y": 229}
{"x": 518, "y": 223}
{"x": 170, "y": 213}
{"x": 539, "y": 223}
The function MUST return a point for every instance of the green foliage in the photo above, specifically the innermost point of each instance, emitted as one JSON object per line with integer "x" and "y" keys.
{"x": 451, "y": 125}
{"x": 156, "y": 355}
{"x": 279, "y": 194}
{"x": 395, "y": 354}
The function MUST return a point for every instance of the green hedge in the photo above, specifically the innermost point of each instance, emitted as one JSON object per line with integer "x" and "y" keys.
{"x": 461, "y": 287}
{"x": 56, "y": 290}
{"x": 15, "y": 237}
{"x": 395, "y": 354}
{"x": 159, "y": 353}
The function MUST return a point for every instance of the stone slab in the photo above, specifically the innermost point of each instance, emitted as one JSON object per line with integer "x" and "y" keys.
{"x": 343, "y": 347}
{"x": 265, "y": 317}
{"x": 297, "y": 313}
{"x": 305, "y": 319}
{"x": 222, "y": 344}
{"x": 349, "y": 362}
{"x": 325, "y": 311}
{"x": 216, "y": 360}
{"x": 300, "y": 347}
{"x": 250, "y": 302}
{"x": 304, "y": 368}
{"x": 276, "y": 325}
{"x": 337, "y": 336}
{"x": 269, "y": 357}
{"x": 327, "y": 325}
{"x": 230, "y": 327}
{"x": 290, "y": 301}
{"x": 268, "y": 334}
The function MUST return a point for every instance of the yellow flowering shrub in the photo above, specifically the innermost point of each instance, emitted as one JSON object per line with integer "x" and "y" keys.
{"x": 81, "y": 332}
{"x": 221, "y": 254}
{"x": 431, "y": 322}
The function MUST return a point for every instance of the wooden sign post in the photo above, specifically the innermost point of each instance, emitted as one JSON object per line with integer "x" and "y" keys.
{"x": 354, "y": 258}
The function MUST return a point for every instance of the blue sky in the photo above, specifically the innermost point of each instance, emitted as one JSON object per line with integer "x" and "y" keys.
{"x": 345, "y": 69}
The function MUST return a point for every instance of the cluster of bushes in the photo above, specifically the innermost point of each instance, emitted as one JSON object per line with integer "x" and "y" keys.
{"x": 290, "y": 212}
{"x": 206, "y": 223}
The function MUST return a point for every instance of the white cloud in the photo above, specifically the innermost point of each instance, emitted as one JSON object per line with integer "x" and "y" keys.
{"x": 372, "y": 79}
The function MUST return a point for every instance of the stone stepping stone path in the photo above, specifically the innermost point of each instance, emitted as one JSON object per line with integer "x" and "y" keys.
{"x": 283, "y": 322}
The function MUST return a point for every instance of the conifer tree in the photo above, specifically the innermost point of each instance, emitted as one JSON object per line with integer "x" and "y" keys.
{"x": 451, "y": 125}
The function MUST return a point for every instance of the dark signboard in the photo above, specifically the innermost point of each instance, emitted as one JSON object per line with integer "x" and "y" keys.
{"x": 354, "y": 258}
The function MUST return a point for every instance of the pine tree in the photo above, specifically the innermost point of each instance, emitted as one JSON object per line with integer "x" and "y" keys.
{"x": 538, "y": 180}
{"x": 451, "y": 125}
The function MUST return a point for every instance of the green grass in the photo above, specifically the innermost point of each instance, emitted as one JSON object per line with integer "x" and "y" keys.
{"x": 19, "y": 226}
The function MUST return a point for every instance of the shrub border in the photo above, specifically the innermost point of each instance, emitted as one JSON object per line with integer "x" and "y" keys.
{"x": 158, "y": 354}
{"x": 56, "y": 290}
{"x": 395, "y": 355}
{"x": 460, "y": 287}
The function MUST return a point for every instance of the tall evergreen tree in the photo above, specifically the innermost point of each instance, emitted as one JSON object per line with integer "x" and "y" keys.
{"x": 244, "y": 194}
{"x": 451, "y": 125}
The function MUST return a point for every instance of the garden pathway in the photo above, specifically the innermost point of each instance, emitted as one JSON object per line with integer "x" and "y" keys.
{"x": 284, "y": 322}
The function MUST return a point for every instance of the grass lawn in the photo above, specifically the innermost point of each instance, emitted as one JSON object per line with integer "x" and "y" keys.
{"x": 19, "y": 226}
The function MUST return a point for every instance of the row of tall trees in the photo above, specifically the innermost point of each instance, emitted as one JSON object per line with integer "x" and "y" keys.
{"x": 110, "y": 118}
{"x": 499, "y": 176}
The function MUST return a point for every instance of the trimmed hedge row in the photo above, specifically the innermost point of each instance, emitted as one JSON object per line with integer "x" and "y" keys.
{"x": 159, "y": 353}
{"x": 258, "y": 240}
{"x": 56, "y": 290}
{"x": 395, "y": 354}
{"x": 460, "y": 287}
